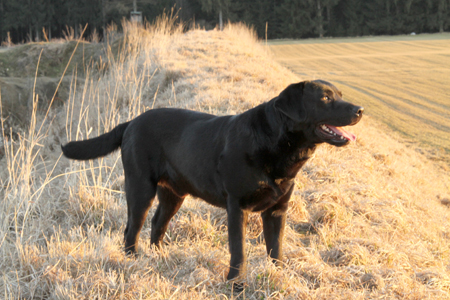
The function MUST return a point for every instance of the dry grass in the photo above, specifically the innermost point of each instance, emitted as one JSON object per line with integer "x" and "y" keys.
{"x": 402, "y": 82}
{"x": 366, "y": 221}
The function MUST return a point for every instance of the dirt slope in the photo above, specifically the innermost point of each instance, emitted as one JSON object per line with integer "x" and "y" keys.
{"x": 21, "y": 64}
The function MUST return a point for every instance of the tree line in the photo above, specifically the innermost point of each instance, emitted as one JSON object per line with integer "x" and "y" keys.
{"x": 34, "y": 20}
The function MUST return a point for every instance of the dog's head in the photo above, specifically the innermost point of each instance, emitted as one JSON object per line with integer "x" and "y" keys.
{"x": 316, "y": 108}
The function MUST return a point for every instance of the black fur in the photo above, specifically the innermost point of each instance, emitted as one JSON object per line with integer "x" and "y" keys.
{"x": 243, "y": 163}
{"x": 96, "y": 147}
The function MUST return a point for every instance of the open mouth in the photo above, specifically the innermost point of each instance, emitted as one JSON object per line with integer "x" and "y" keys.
{"x": 334, "y": 134}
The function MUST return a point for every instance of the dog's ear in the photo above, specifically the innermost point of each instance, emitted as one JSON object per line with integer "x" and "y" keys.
{"x": 290, "y": 103}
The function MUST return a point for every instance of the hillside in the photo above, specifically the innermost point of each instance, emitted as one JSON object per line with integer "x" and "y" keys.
{"x": 366, "y": 221}
{"x": 18, "y": 71}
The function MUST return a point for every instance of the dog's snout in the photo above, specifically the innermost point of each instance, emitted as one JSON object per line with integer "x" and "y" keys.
{"x": 358, "y": 110}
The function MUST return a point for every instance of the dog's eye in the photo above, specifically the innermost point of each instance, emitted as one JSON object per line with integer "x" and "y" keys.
{"x": 325, "y": 98}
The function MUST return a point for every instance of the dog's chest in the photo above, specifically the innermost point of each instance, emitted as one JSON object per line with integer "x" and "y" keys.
{"x": 287, "y": 163}
{"x": 278, "y": 172}
{"x": 266, "y": 195}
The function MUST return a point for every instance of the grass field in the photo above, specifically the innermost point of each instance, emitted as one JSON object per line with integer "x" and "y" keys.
{"x": 366, "y": 221}
{"x": 401, "y": 81}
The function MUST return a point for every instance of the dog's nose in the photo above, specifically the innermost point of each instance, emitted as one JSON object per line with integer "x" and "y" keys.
{"x": 358, "y": 110}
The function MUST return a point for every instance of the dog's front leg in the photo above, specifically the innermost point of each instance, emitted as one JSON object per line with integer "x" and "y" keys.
{"x": 274, "y": 221}
{"x": 237, "y": 224}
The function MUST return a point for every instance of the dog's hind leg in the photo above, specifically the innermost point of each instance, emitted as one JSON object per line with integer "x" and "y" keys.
{"x": 140, "y": 193}
{"x": 169, "y": 204}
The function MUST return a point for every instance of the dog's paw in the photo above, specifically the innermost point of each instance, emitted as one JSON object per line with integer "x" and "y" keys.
{"x": 131, "y": 253}
{"x": 237, "y": 287}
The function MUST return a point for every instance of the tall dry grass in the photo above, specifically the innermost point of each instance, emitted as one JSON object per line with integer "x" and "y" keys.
{"x": 366, "y": 221}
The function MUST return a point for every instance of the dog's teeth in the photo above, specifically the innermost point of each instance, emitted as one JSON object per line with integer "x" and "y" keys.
{"x": 326, "y": 129}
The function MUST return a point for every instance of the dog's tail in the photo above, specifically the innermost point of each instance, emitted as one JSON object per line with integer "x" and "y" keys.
{"x": 96, "y": 147}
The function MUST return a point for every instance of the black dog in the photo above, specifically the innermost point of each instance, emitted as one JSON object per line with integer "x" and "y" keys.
{"x": 243, "y": 163}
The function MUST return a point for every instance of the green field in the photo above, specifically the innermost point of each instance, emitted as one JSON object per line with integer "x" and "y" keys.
{"x": 402, "y": 81}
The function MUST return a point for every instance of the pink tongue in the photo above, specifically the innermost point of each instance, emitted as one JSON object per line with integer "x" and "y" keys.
{"x": 339, "y": 130}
